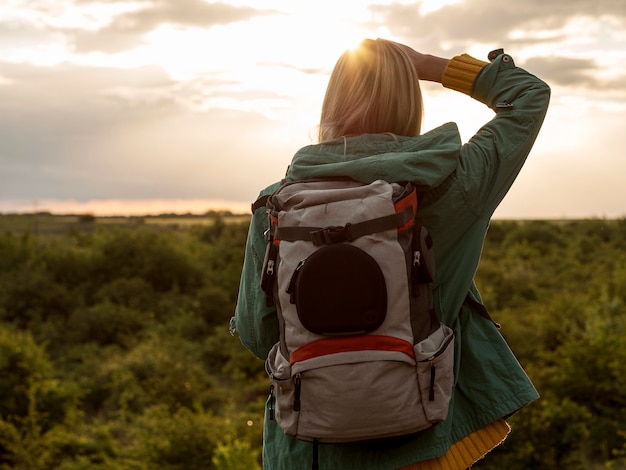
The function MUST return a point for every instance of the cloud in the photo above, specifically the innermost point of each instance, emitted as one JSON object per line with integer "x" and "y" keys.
{"x": 53, "y": 120}
{"x": 299, "y": 68}
{"x": 127, "y": 29}
{"x": 574, "y": 72}
{"x": 69, "y": 97}
{"x": 561, "y": 41}
{"x": 564, "y": 71}
{"x": 485, "y": 21}
{"x": 75, "y": 132}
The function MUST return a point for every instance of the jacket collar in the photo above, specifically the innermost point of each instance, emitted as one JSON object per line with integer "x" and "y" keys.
{"x": 426, "y": 160}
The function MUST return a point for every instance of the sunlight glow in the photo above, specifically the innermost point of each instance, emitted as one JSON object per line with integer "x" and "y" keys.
{"x": 239, "y": 47}
{"x": 5, "y": 81}
{"x": 44, "y": 55}
{"x": 286, "y": 61}
{"x": 124, "y": 207}
{"x": 429, "y": 6}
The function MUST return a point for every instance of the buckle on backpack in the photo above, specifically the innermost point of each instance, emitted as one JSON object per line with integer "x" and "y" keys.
{"x": 332, "y": 234}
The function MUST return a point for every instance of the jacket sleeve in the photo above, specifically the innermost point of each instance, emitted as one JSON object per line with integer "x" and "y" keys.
{"x": 256, "y": 323}
{"x": 492, "y": 159}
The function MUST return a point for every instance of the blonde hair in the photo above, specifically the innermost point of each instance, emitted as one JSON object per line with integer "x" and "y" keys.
{"x": 373, "y": 89}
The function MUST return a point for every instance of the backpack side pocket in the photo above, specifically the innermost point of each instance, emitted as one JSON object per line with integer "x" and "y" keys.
{"x": 282, "y": 391}
{"x": 435, "y": 372}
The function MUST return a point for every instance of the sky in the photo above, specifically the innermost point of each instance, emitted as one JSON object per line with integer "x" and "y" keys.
{"x": 157, "y": 106}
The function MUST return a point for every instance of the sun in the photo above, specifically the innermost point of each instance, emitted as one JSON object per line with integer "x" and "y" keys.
{"x": 275, "y": 64}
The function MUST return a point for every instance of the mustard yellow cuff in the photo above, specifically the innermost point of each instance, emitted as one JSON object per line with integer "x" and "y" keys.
{"x": 460, "y": 73}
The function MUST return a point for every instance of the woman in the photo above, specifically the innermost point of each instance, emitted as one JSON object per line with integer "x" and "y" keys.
{"x": 373, "y": 106}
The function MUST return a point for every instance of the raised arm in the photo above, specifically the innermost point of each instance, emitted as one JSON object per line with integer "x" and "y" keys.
{"x": 493, "y": 157}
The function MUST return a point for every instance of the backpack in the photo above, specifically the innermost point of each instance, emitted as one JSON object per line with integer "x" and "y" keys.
{"x": 362, "y": 354}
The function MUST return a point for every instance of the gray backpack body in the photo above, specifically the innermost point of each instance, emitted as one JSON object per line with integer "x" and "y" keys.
{"x": 362, "y": 354}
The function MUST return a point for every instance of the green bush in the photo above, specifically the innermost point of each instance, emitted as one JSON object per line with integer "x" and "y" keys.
{"x": 186, "y": 439}
{"x": 156, "y": 257}
{"x": 33, "y": 403}
{"x": 115, "y": 351}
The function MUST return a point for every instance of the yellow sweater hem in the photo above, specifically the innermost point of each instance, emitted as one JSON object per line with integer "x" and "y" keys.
{"x": 469, "y": 450}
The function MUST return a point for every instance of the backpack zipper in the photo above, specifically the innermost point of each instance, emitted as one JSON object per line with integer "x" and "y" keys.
{"x": 431, "y": 392}
{"x": 298, "y": 385}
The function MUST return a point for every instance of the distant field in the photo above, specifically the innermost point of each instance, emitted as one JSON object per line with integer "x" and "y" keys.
{"x": 46, "y": 223}
{"x": 50, "y": 223}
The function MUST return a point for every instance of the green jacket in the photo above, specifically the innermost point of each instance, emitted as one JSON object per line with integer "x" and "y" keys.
{"x": 462, "y": 185}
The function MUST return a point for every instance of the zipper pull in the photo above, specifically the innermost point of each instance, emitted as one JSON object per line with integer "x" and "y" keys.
{"x": 415, "y": 272}
{"x": 271, "y": 402}
{"x": 431, "y": 391}
{"x": 298, "y": 384}
{"x": 416, "y": 258}
{"x": 269, "y": 272}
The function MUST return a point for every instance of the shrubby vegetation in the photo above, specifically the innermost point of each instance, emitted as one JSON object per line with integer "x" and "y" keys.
{"x": 559, "y": 291}
{"x": 115, "y": 351}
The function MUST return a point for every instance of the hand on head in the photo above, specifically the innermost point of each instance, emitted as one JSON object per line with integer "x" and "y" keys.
{"x": 428, "y": 67}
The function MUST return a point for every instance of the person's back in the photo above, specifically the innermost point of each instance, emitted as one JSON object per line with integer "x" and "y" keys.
{"x": 369, "y": 131}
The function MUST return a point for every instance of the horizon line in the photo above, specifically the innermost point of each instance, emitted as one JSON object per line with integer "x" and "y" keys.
{"x": 199, "y": 207}
{"x": 123, "y": 207}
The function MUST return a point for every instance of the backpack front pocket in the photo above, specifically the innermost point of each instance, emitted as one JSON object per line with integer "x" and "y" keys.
{"x": 357, "y": 396}
{"x": 339, "y": 290}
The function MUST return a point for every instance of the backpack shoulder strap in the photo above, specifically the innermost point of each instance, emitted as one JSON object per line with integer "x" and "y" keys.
{"x": 260, "y": 202}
